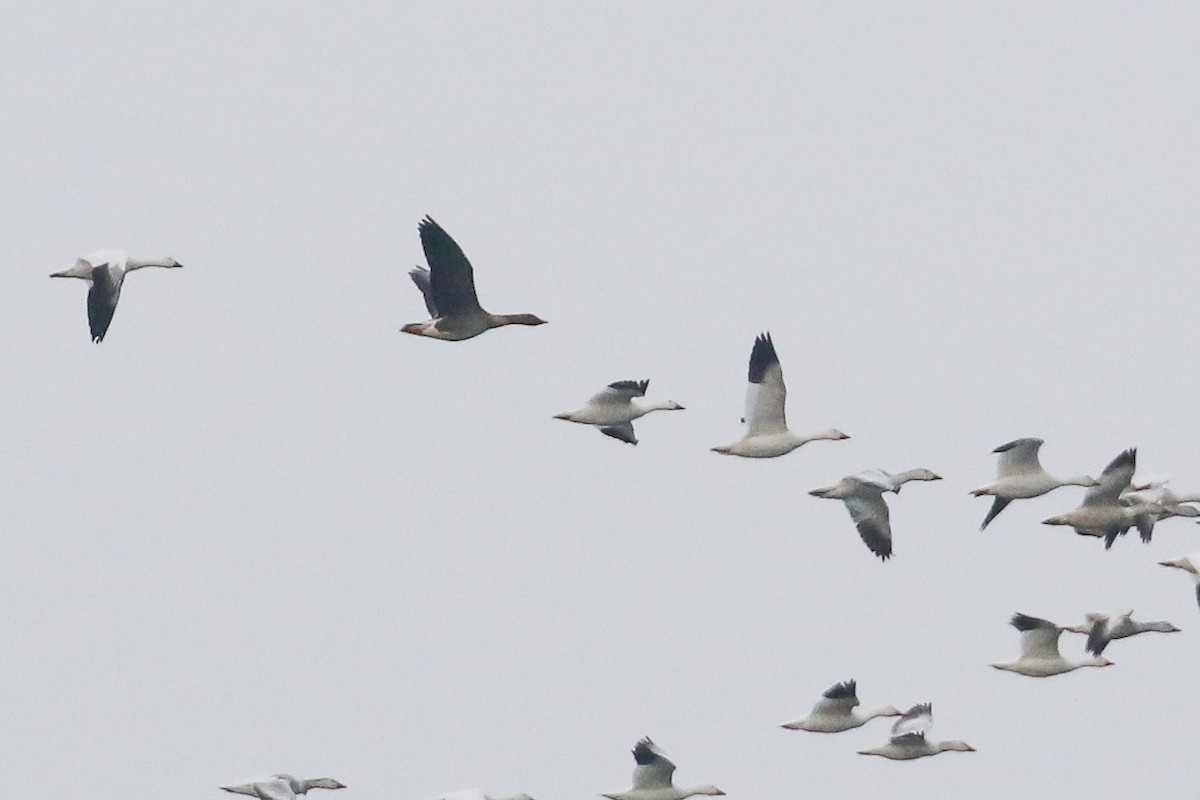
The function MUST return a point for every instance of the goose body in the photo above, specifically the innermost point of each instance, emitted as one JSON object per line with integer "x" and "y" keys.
{"x": 862, "y": 495}
{"x": 834, "y": 712}
{"x": 652, "y": 778}
{"x": 1189, "y": 564}
{"x": 282, "y": 786}
{"x": 1019, "y": 476}
{"x": 1039, "y": 650}
{"x": 105, "y": 271}
{"x": 613, "y": 409}
{"x": 767, "y": 434}
{"x": 1104, "y": 628}
{"x": 908, "y": 738}
{"x": 448, "y": 286}
{"x": 1102, "y": 513}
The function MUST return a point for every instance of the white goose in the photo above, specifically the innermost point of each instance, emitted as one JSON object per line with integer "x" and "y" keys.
{"x": 652, "y": 777}
{"x": 1189, "y": 564}
{"x": 1103, "y": 628}
{"x": 1019, "y": 476}
{"x": 767, "y": 434}
{"x": 283, "y": 786}
{"x": 863, "y": 497}
{"x": 449, "y": 289}
{"x": 834, "y": 712}
{"x": 1103, "y": 514}
{"x": 1172, "y": 503}
{"x": 908, "y": 738}
{"x": 1039, "y": 650}
{"x": 105, "y": 270}
{"x": 613, "y": 411}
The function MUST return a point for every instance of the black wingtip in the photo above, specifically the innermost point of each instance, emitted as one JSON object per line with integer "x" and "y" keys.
{"x": 762, "y": 357}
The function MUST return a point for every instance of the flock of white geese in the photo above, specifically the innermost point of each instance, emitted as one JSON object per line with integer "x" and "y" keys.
{"x": 1112, "y": 505}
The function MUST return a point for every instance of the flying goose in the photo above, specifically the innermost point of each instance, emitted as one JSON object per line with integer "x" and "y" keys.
{"x": 449, "y": 289}
{"x": 1102, "y": 513}
{"x": 613, "y": 411}
{"x": 863, "y": 496}
{"x": 767, "y": 434}
{"x": 1019, "y": 476}
{"x": 1039, "y": 650}
{"x": 1103, "y": 628}
{"x": 283, "y": 787}
{"x": 652, "y": 777}
{"x": 1189, "y": 564}
{"x": 834, "y": 712}
{"x": 908, "y": 738}
{"x": 105, "y": 270}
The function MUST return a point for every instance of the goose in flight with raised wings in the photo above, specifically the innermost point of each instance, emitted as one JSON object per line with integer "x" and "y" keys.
{"x": 863, "y": 496}
{"x": 105, "y": 270}
{"x": 908, "y": 738}
{"x": 834, "y": 712}
{"x": 449, "y": 290}
{"x": 613, "y": 409}
{"x": 1103, "y": 628}
{"x": 652, "y": 777}
{"x": 1103, "y": 513}
{"x": 282, "y": 786}
{"x": 1039, "y": 650}
{"x": 1019, "y": 476}
{"x": 767, "y": 433}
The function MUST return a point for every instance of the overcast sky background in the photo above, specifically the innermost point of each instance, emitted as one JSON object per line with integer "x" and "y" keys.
{"x": 258, "y": 529}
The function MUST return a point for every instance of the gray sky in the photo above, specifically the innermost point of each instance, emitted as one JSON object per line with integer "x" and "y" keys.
{"x": 258, "y": 529}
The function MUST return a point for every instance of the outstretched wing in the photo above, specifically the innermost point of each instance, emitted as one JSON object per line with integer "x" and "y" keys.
{"x": 620, "y": 392}
{"x": 420, "y": 276}
{"x": 1039, "y": 637}
{"x": 841, "y": 698}
{"x": 1114, "y": 480}
{"x": 452, "y": 281}
{"x": 870, "y": 514}
{"x": 1018, "y": 457}
{"x": 766, "y": 394}
{"x": 622, "y": 431}
{"x": 653, "y": 770}
{"x": 916, "y": 720}
{"x": 102, "y": 301}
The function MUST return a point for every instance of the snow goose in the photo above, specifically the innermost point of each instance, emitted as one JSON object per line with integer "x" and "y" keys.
{"x": 1103, "y": 628}
{"x": 908, "y": 738}
{"x": 1172, "y": 503}
{"x": 652, "y": 777}
{"x": 863, "y": 496}
{"x": 1102, "y": 513}
{"x": 834, "y": 712}
{"x": 1039, "y": 650}
{"x": 105, "y": 270}
{"x": 1019, "y": 476}
{"x": 767, "y": 434}
{"x": 1189, "y": 564}
{"x": 449, "y": 289}
{"x": 613, "y": 411}
{"x": 283, "y": 786}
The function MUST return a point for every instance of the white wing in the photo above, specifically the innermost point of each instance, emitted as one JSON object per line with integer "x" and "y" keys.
{"x": 917, "y": 719}
{"x": 653, "y": 770}
{"x": 766, "y": 394}
{"x": 620, "y": 392}
{"x": 1039, "y": 637}
{"x": 1019, "y": 457}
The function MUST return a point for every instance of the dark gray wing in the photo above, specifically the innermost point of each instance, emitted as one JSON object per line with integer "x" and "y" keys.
{"x": 998, "y": 505}
{"x": 842, "y": 691}
{"x": 1097, "y": 640}
{"x": 633, "y": 388}
{"x": 622, "y": 431}
{"x": 452, "y": 281}
{"x": 420, "y": 276}
{"x": 870, "y": 514}
{"x": 101, "y": 302}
